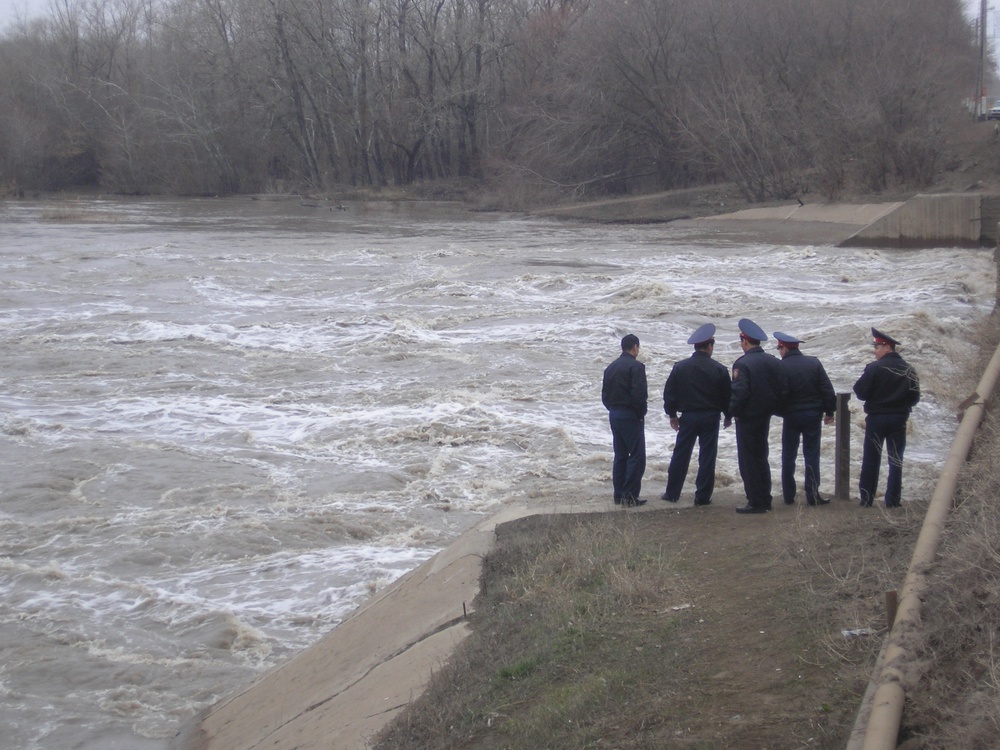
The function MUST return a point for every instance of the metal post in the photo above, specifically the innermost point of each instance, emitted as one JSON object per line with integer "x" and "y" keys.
{"x": 842, "y": 457}
{"x": 891, "y": 607}
{"x": 996, "y": 263}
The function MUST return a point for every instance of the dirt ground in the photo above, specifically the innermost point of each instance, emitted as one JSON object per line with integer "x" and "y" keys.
{"x": 761, "y": 633}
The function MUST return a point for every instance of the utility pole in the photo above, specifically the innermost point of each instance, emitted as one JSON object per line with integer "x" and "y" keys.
{"x": 980, "y": 91}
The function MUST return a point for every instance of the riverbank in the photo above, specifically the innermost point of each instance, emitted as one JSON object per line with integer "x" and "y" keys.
{"x": 366, "y": 671}
{"x": 342, "y": 691}
{"x": 925, "y": 220}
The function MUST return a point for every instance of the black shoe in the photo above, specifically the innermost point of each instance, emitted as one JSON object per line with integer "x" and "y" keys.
{"x": 791, "y": 502}
{"x": 751, "y": 509}
{"x": 668, "y": 499}
{"x": 702, "y": 502}
{"x": 820, "y": 501}
{"x": 633, "y": 502}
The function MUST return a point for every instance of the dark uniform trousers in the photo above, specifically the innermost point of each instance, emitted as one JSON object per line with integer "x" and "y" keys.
{"x": 629, "y": 441}
{"x": 807, "y": 423}
{"x": 703, "y": 426}
{"x": 752, "y": 455}
{"x": 889, "y": 429}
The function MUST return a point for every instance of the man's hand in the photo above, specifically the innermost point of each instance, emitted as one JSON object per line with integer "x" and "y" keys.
{"x": 675, "y": 423}
{"x": 727, "y": 421}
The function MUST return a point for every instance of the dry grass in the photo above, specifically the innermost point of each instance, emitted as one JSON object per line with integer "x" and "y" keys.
{"x": 667, "y": 629}
{"x": 956, "y": 703}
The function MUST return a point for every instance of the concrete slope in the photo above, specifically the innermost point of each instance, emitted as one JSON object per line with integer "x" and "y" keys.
{"x": 938, "y": 220}
{"x": 809, "y": 224}
{"x": 342, "y": 690}
{"x": 860, "y": 215}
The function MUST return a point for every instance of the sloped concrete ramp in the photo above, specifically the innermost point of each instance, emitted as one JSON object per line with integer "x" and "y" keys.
{"x": 938, "y": 220}
{"x": 341, "y": 691}
{"x": 805, "y": 224}
{"x": 860, "y": 215}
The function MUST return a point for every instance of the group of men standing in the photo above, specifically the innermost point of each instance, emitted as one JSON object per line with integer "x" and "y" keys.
{"x": 699, "y": 394}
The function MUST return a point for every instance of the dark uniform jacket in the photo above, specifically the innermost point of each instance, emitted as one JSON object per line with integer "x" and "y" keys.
{"x": 809, "y": 387}
{"x": 888, "y": 386}
{"x": 697, "y": 383}
{"x": 625, "y": 385}
{"x": 760, "y": 387}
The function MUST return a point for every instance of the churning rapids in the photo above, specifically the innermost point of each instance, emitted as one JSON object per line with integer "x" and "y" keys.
{"x": 224, "y": 423}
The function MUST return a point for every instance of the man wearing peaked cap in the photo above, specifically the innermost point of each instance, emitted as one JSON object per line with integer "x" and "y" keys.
{"x": 759, "y": 390}
{"x": 698, "y": 388}
{"x": 810, "y": 397}
{"x": 878, "y": 336}
{"x": 704, "y": 335}
{"x": 751, "y": 330}
{"x": 890, "y": 388}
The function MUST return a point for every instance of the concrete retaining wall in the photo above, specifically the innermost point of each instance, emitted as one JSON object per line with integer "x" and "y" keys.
{"x": 930, "y": 220}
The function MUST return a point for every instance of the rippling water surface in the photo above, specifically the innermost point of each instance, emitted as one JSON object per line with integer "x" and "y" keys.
{"x": 224, "y": 423}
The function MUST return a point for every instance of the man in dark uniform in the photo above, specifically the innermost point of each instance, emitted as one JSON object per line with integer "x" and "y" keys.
{"x": 890, "y": 389}
{"x": 810, "y": 397}
{"x": 699, "y": 388}
{"x": 624, "y": 394}
{"x": 759, "y": 390}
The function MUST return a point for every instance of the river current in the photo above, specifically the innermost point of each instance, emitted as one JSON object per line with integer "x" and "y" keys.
{"x": 225, "y": 423}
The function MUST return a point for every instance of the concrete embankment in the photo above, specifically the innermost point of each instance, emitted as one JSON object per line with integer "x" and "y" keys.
{"x": 343, "y": 689}
{"x": 935, "y": 220}
{"x": 966, "y": 219}
{"x": 811, "y": 224}
{"x": 339, "y": 692}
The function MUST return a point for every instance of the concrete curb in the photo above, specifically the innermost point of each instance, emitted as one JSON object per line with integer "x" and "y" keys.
{"x": 343, "y": 689}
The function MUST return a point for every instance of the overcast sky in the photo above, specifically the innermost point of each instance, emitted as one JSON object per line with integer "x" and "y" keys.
{"x": 9, "y": 9}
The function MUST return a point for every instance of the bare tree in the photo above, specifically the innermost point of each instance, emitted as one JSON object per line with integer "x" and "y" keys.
{"x": 579, "y": 96}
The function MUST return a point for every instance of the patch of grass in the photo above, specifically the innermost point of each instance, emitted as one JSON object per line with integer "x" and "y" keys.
{"x": 518, "y": 671}
{"x": 652, "y": 630}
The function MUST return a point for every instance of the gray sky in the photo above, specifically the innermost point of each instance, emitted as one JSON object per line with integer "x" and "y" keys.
{"x": 10, "y": 8}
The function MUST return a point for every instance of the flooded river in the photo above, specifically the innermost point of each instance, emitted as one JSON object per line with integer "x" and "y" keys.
{"x": 224, "y": 423}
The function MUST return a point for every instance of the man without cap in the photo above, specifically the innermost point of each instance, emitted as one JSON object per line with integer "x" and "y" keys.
{"x": 890, "y": 388}
{"x": 624, "y": 394}
{"x": 699, "y": 388}
{"x": 810, "y": 397}
{"x": 759, "y": 390}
